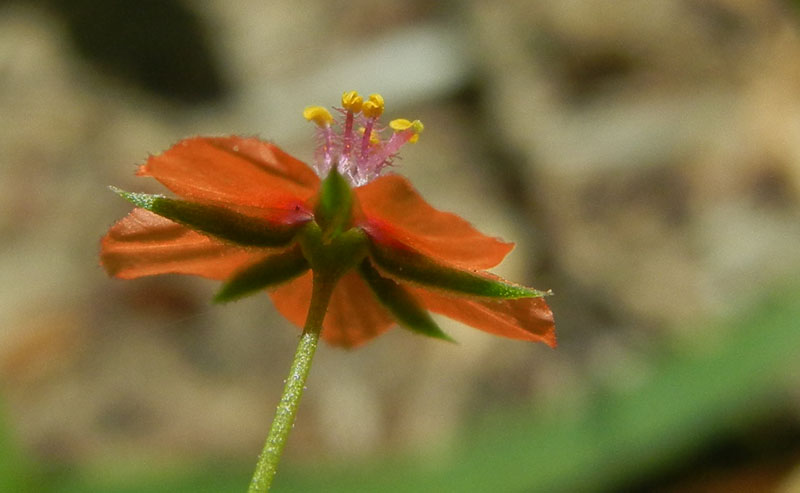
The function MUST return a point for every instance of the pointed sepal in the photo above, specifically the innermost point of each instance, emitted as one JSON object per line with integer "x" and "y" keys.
{"x": 332, "y": 257}
{"x": 334, "y": 209}
{"x": 275, "y": 269}
{"x": 402, "y": 304}
{"x": 406, "y": 264}
{"x": 220, "y": 222}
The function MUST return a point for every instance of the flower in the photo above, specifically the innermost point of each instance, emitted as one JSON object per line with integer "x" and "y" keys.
{"x": 258, "y": 218}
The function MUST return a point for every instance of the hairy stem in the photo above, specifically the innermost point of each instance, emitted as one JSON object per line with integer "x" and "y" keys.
{"x": 293, "y": 390}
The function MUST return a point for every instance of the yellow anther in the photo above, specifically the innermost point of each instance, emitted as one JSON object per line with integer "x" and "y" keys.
{"x": 373, "y": 107}
{"x": 402, "y": 124}
{"x": 399, "y": 124}
{"x": 319, "y": 115}
{"x": 351, "y": 101}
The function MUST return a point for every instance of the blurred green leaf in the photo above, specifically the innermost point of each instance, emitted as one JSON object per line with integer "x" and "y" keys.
{"x": 16, "y": 471}
{"x": 208, "y": 478}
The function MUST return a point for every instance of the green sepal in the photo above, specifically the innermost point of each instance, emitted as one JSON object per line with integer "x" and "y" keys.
{"x": 402, "y": 304}
{"x": 220, "y": 222}
{"x": 332, "y": 257}
{"x": 334, "y": 209}
{"x": 404, "y": 263}
{"x": 271, "y": 271}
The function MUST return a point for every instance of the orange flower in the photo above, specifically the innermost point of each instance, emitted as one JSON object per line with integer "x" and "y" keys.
{"x": 258, "y": 218}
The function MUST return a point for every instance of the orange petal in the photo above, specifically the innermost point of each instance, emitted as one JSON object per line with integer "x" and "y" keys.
{"x": 354, "y": 315}
{"x": 528, "y": 319}
{"x": 293, "y": 299}
{"x": 391, "y": 204}
{"x": 233, "y": 170}
{"x": 145, "y": 244}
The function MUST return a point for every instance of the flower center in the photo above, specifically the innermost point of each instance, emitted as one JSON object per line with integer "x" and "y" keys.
{"x": 355, "y": 142}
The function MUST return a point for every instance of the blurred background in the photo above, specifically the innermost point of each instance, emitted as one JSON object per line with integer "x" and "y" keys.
{"x": 643, "y": 154}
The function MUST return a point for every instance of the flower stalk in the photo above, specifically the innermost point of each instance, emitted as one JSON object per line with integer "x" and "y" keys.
{"x": 268, "y": 461}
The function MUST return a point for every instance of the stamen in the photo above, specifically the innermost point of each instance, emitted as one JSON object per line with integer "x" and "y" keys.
{"x": 373, "y": 138}
{"x": 362, "y": 163}
{"x": 347, "y": 136}
{"x": 322, "y": 119}
{"x": 401, "y": 124}
{"x": 367, "y": 136}
{"x": 352, "y": 102}
{"x": 373, "y": 107}
{"x": 319, "y": 115}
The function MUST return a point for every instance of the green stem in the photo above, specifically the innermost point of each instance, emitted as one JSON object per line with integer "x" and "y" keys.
{"x": 295, "y": 384}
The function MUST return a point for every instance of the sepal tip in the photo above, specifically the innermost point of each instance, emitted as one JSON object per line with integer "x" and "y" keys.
{"x": 143, "y": 200}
